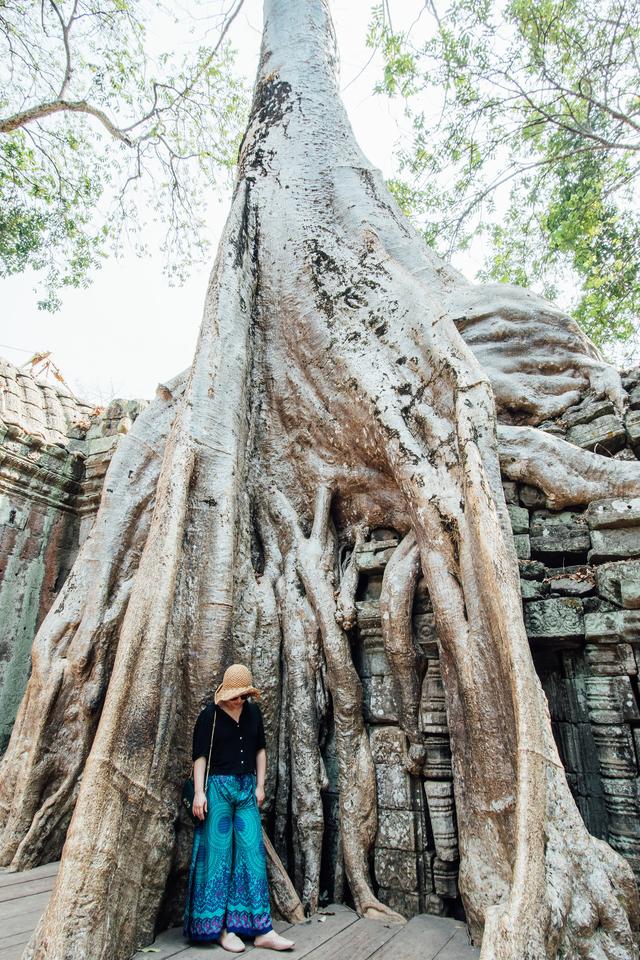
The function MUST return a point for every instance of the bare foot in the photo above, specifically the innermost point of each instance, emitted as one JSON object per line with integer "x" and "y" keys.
{"x": 231, "y": 942}
{"x": 273, "y": 941}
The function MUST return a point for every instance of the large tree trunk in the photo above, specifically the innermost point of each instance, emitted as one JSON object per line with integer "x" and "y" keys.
{"x": 331, "y": 389}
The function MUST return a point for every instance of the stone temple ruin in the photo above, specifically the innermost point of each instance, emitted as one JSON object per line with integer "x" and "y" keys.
{"x": 54, "y": 453}
{"x": 580, "y": 584}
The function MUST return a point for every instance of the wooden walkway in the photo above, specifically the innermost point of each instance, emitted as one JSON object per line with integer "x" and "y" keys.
{"x": 334, "y": 933}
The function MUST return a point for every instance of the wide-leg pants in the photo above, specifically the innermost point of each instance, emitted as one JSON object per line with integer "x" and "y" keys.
{"x": 228, "y": 876}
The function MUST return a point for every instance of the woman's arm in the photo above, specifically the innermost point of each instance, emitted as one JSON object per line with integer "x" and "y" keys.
{"x": 261, "y": 770}
{"x": 200, "y": 797}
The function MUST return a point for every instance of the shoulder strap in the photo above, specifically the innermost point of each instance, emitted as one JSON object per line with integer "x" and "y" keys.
{"x": 213, "y": 730}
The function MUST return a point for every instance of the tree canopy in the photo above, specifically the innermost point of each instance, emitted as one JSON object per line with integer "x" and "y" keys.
{"x": 526, "y": 133}
{"x": 101, "y": 128}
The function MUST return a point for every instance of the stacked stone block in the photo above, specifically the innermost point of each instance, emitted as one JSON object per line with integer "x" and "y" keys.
{"x": 580, "y": 585}
{"x": 54, "y": 453}
{"x": 416, "y": 851}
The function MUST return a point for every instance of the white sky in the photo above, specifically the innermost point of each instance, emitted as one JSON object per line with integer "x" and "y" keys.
{"x": 130, "y": 330}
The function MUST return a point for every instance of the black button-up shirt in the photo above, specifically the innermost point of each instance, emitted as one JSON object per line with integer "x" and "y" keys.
{"x": 235, "y": 743}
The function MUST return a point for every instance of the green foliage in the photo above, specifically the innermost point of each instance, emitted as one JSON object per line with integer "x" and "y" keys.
{"x": 530, "y": 146}
{"x": 100, "y": 131}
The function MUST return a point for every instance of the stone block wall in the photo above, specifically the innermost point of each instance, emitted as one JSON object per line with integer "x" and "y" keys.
{"x": 416, "y": 850}
{"x": 580, "y": 585}
{"x": 54, "y": 453}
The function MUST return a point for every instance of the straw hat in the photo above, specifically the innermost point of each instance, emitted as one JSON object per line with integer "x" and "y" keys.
{"x": 236, "y": 682}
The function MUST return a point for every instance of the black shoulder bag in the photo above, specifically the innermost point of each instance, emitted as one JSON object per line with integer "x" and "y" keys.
{"x": 189, "y": 789}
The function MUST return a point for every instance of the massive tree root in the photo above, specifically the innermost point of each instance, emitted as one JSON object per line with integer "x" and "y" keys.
{"x": 331, "y": 391}
{"x": 314, "y": 560}
{"x": 568, "y": 475}
{"x": 74, "y": 652}
{"x": 307, "y": 775}
{"x": 407, "y": 665}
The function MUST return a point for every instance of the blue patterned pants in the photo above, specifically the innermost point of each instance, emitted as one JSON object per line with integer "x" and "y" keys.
{"x": 228, "y": 876}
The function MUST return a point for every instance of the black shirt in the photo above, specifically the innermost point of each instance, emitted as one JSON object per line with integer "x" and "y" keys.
{"x": 235, "y": 744}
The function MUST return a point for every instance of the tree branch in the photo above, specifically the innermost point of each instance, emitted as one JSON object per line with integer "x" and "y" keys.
{"x": 181, "y": 95}
{"x": 17, "y": 120}
{"x": 66, "y": 28}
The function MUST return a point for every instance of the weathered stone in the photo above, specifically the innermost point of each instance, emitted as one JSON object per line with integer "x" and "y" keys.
{"x": 596, "y": 604}
{"x": 555, "y": 689}
{"x": 553, "y": 427}
{"x": 371, "y": 662}
{"x": 379, "y": 699}
{"x": 383, "y": 533}
{"x": 603, "y": 696}
{"x": 554, "y": 619}
{"x": 629, "y": 848}
{"x": 569, "y": 736}
{"x": 576, "y": 583}
{"x": 421, "y": 599}
{"x": 442, "y": 813}
{"x": 438, "y": 763}
{"x": 634, "y": 397}
{"x": 613, "y": 513}
{"x": 606, "y": 434}
{"x": 533, "y": 590}
{"x": 54, "y": 453}
{"x": 575, "y": 672}
{"x": 510, "y": 491}
{"x": 396, "y": 869}
{"x": 559, "y": 533}
{"x": 424, "y": 632}
{"x": 433, "y": 716}
{"x": 620, "y": 583}
{"x": 614, "y": 544}
{"x": 388, "y": 745}
{"x": 627, "y": 700}
{"x": 406, "y": 904}
{"x": 396, "y": 829}
{"x": 373, "y": 556}
{"x": 630, "y": 377}
{"x": 586, "y": 412}
{"x": 394, "y": 789}
{"x": 615, "y": 751}
{"x": 102, "y": 445}
{"x": 632, "y": 423}
{"x": 38, "y": 409}
{"x": 612, "y": 626}
{"x": 532, "y": 497}
{"x": 606, "y": 660}
{"x": 445, "y": 878}
{"x": 368, "y": 610}
{"x": 523, "y": 546}
{"x": 370, "y": 587}
{"x": 532, "y": 569}
{"x": 519, "y": 517}
{"x": 625, "y": 652}
{"x": 625, "y": 454}
{"x": 11, "y": 514}
{"x": 436, "y": 905}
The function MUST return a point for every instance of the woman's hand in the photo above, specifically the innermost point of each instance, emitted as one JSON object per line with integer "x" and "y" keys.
{"x": 200, "y": 804}
{"x": 260, "y": 795}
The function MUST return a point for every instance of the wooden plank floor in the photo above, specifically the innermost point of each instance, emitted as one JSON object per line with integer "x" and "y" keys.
{"x": 334, "y": 933}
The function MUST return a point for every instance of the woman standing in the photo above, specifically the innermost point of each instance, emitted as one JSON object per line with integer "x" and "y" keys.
{"x": 228, "y": 892}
